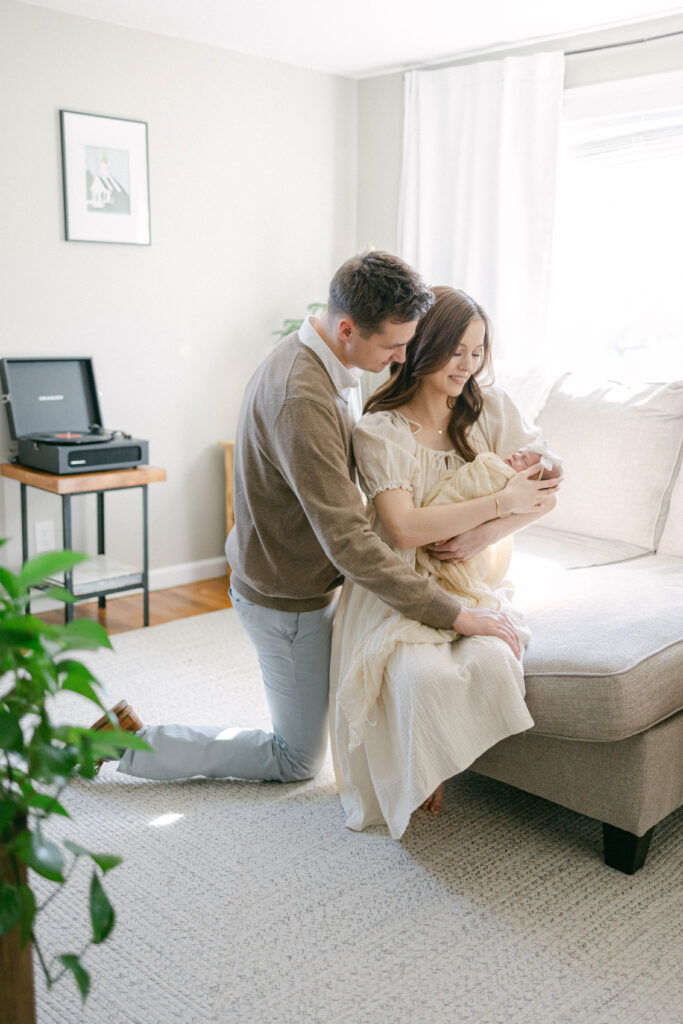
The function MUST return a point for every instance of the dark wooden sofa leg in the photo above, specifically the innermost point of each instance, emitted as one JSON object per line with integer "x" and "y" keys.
{"x": 623, "y": 850}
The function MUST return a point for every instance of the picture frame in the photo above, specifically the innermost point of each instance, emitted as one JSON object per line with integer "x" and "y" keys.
{"x": 105, "y": 177}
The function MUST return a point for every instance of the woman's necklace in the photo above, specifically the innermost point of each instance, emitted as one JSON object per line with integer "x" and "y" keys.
{"x": 423, "y": 423}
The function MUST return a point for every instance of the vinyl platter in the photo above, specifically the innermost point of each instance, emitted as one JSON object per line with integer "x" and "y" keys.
{"x": 73, "y": 437}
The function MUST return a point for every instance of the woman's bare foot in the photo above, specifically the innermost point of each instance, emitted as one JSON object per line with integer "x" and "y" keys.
{"x": 434, "y": 803}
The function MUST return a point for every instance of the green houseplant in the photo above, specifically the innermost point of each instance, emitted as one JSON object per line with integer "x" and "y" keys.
{"x": 288, "y": 326}
{"x": 38, "y": 758}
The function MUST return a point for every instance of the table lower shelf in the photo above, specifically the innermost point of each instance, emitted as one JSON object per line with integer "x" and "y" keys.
{"x": 101, "y": 575}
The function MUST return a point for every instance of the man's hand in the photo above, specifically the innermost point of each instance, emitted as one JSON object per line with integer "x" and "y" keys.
{"x": 465, "y": 545}
{"x": 486, "y": 622}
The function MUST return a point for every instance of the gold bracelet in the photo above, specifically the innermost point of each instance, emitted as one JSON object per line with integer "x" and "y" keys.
{"x": 495, "y": 498}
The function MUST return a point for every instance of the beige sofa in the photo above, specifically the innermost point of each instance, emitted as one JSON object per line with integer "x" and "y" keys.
{"x": 601, "y": 583}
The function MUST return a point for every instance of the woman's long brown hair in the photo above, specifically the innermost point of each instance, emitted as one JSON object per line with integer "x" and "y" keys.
{"x": 437, "y": 337}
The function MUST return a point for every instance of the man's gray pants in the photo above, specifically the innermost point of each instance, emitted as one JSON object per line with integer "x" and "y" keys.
{"x": 294, "y": 654}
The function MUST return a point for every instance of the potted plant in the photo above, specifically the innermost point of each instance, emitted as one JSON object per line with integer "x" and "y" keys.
{"x": 289, "y": 326}
{"x": 38, "y": 758}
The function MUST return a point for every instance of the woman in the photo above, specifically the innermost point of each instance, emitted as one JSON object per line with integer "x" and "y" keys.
{"x": 412, "y": 705}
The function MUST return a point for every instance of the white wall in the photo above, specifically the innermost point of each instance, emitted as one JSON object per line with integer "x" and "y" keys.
{"x": 380, "y": 144}
{"x": 380, "y": 114}
{"x": 258, "y": 191}
{"x": 253, "y": 195}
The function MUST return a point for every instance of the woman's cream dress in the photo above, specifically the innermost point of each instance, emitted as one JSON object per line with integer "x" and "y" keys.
{"x": 442, "y": 701}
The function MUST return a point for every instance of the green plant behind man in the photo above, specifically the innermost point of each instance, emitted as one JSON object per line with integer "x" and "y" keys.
{"x": 289, "y": 326}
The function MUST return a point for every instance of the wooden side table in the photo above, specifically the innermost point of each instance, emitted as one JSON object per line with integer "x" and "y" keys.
{"x": 229, "y": 451}
{"x": 89, "y": 483}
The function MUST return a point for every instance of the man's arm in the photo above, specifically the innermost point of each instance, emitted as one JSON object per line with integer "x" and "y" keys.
{"x": 309, "y": 452}
{"x": 313, "y": 460}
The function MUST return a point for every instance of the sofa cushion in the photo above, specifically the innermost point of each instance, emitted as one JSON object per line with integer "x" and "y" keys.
{"x": 605, "y": 656}
{"x": 528, "y": 387}
{"x": 672, "y": 537}
{"x": 621, "y": 444}
{"x": 570, "y": 550}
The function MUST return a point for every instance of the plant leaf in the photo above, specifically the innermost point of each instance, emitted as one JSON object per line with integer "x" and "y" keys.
{"x": 41, "y": 854}
{"x": 97, "y": 743}
{"x": 19, "y": 633}
{"x": 106, "y": 861}
{"x": 47, "y": 803}
{"x": 11, "y": 736}
{"x": 86, "y": 635}
{"x": 11, "y": 583}
{"x": 11, "y": 907}
{"x": 73, "y": 964}
{"x": 17, "y": 907}
{"x": 78, "y": 679}
{"x": 71, "y": 665}
{"x": 106, "y": 742}
{"x": 28, "y": 901}
{"x": 60, "y": 594}
{"x": 48, "y": 564}
{"x": 101, "y": 911}
{"x": 21, "y": 630}
{"x": 47, "y": 761}
{"x": 8, "y": 812}
{"x": 76, "y": 849}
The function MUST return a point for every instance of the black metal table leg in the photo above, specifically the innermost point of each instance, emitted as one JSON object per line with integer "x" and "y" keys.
{"x": 66, "y": 544}
{"x": 102, "y": 600}
{"x": 145, "y": 558}
{"x": 24, "y": 532}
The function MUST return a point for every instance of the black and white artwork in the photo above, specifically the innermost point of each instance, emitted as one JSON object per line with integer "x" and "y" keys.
{"x": 106, "y": 179}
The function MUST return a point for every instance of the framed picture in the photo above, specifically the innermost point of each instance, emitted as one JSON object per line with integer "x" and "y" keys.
{"x": 106, "y": 179}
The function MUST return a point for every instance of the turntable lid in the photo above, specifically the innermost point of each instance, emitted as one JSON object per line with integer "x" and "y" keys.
{"x": 48, "y": 395}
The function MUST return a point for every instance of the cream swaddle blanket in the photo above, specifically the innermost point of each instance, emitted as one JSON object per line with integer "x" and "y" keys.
{"x": 472, "y": 581}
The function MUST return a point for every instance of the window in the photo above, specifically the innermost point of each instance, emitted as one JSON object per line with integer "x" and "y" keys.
{"x": 616, "y": 297}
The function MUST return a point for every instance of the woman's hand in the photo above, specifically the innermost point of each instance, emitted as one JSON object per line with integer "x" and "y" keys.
{"x": 525, "y": 492}
{"x": 465, "y": 545}
{"x": 486, "y": 622}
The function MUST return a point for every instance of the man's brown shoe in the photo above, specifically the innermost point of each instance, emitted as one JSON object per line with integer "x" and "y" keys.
{"x": 126, "y": 720}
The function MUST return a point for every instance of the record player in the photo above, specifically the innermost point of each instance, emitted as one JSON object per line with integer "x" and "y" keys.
{"x": 53, "y": 414}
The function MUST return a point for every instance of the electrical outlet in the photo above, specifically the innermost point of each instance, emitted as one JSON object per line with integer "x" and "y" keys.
{"x": 45, "y": 536}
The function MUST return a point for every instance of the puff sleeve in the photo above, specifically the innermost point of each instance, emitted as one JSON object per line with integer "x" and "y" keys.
{"x": 385, "y": 454}
{"x": 501, "y": 425}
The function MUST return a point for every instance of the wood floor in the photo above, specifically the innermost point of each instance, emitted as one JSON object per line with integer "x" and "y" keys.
{"x": 125, "y": 613}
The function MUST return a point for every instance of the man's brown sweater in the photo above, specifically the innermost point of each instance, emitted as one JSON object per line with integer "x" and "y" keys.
{"x": 300, "y": 523}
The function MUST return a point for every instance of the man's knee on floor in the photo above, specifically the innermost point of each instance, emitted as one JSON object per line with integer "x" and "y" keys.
{"x": 298, "y": 765}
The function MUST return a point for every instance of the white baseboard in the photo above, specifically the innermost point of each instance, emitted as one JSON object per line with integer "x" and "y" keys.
{"x": 159, "y": 579}
{"x": 187, "y": 572}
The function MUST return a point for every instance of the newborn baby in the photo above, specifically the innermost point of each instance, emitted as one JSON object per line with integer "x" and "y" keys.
{"x": 474, "y": 579}
{"x": 535, "y": 454}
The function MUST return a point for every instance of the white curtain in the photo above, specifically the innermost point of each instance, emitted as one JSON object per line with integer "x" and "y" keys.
{"x": 478, "y": 187}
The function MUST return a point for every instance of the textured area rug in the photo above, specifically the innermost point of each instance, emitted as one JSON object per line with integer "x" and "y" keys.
{"x": 251, "y": 902}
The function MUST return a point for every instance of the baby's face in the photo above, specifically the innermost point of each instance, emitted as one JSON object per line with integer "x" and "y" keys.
{"x": 522, "y": 459}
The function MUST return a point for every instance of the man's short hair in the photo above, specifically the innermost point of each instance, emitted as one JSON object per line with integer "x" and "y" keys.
{"x": 376, "y": 286}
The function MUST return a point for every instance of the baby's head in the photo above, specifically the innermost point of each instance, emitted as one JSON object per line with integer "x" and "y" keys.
{"x": 522, "y": 459}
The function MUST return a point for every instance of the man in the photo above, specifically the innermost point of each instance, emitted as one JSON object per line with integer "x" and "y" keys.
{"x": 301, "y": 526}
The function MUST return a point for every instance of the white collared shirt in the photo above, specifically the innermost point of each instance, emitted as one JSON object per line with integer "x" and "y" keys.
{"x": 346, "y": 380}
